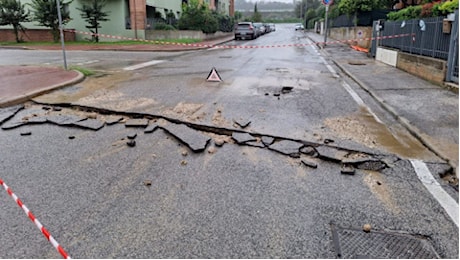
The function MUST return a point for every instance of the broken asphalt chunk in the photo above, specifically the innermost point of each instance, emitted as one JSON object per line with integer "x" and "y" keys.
{"x": 347, "y": 169}
{"x": 150, "y": 128}
{"x": 131, "y": 143}
{"x": 375, "y": 165}
{"x": 64, "y": 120}
{"x": 241, "y": 138}
{"x": 193, "y": 139}
{"x": 111, "y": 120}
{"x": 308, "y": 150}
{"x": 9, "y": 112}
{"x": 309, "y": 163}
{"x": 330, "y": 153}
{"x": 267, "y": 140}
{"x": 255, "y": 144}
{"x": 92, "y": 124}
{"x": 137, "y": 123}
{"x": 287, "y": 147}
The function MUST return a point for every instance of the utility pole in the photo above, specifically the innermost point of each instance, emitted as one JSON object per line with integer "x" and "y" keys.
{"x": 61, "y": 32}
{"x": 326, "y": 3}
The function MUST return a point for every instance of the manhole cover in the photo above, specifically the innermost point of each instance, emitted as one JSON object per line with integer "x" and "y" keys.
{"x": 354, "y": 243}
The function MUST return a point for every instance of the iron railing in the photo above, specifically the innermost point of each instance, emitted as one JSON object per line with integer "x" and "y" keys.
{"x": 425, "y": 38}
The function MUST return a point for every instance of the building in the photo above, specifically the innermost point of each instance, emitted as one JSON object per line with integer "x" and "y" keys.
{"x": 127, "y": 18}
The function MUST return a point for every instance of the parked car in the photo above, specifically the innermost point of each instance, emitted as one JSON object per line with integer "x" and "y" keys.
{"x": 260, "y": 28}
{"x": 245, "y": 30}
{"x": 272, "y": 27}
{"x": 299, "y": 26}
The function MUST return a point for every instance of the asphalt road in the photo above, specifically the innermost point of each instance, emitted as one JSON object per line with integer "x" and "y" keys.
{"x": 101, "y": 198}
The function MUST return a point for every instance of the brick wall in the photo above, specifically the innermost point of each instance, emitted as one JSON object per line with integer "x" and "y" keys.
{"x": 33, "y": 35}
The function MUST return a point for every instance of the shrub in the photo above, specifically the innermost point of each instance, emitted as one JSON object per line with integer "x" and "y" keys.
{"x": 226, "y": 23}
{"x": 411, "y": 12}
{"x": 448, "y": 7}
{"x": 196, "y": 16}
{"x": 163, "y": 26}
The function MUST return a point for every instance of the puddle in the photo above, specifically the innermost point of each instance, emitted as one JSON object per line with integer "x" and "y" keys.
{"x": 363, "y": 128}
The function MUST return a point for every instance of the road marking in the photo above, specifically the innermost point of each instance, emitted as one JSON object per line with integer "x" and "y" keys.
{"x": 433, "y": 186}
{"x": 422, "y": 171}
{"x": 143, "y": 65}
{"x": 87, "y": 62}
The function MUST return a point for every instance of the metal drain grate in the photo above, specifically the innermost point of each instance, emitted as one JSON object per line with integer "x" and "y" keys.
{"x": 353, "y": 243}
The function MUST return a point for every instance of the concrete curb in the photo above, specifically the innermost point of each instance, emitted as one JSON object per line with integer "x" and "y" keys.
{"x": 406, "y": 123}
{"x": 28, "y": 96}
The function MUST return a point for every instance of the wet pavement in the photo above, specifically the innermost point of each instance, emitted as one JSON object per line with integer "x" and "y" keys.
{"x": 177, "y": 191}
{"x": 414, "y": 102}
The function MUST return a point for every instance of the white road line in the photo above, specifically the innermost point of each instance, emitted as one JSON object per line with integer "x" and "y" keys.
{"x": 143, "y": 65}
{"x": 446, "y": 201}
{"x": 422, "y": 171}
{"x": 87, "y": 62}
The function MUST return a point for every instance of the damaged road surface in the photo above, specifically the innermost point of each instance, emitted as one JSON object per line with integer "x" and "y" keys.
{"x": 159, "y": 163}
{"x": 177, "y": 194}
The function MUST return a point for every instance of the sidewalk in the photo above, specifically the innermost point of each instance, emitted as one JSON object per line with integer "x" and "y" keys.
{"x": 428, "y": 111}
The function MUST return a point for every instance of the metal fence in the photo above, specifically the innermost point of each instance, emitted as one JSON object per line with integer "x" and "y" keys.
{"x": 426, "y": 37}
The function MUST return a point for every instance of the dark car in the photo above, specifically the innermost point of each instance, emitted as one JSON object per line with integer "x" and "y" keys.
{"x": 261, "y": 30}
{"x": 245, "y": 30}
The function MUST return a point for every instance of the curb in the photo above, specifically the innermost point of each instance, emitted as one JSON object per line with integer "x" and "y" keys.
{"x": 406, "y": 123}
{"x": 28, "y": 96}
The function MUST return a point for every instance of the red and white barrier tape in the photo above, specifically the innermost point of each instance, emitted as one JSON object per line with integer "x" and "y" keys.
{"x": 35, "y": 221}
{"x": 234, "y": 46}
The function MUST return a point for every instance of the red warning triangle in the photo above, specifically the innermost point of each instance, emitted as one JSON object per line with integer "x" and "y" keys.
{"x": 214, "y": 76}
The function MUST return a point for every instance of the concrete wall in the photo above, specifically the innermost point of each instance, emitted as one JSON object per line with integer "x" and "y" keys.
{"x": 359, "y": 35}
{"x": 182, "y": 34}
{"x": 387, "y": 56}
{"x": 427, "y": 68}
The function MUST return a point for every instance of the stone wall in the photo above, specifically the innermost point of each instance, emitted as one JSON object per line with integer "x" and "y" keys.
{"x": 33, "y": 35}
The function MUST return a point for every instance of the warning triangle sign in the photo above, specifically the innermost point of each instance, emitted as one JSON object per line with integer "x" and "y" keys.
{"x": 214, "y": 76}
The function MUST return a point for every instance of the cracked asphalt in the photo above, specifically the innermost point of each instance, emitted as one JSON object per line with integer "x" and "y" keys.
{"x": 158, "y": 163}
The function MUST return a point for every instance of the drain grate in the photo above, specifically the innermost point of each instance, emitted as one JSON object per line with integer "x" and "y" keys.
{"x": 354, "y": 243}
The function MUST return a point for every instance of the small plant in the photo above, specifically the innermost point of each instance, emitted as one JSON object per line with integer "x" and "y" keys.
{"x": 84, "y": 71}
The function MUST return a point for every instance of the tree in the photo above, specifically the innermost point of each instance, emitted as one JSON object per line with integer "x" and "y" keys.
{"x": 302, "y": 7}
{"x": 14, "y": 13}
{"x": 352, "y": 7}
{"x": 45, "y": 13}
{"x": 93, "y": 14}
{"x": 256, "y": 17}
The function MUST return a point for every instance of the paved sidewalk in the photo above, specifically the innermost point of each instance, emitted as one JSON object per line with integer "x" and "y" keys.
{"x": 428, "y": 111}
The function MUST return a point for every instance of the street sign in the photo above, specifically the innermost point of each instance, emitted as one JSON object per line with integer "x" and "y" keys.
{"x": 327, "y": 2}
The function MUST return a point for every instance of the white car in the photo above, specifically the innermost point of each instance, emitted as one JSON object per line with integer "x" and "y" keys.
{"x": 299, "y": 26}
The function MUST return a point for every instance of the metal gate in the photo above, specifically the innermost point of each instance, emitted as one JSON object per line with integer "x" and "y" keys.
{"x": 452, "y": 62}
